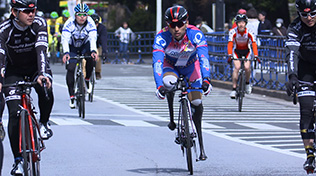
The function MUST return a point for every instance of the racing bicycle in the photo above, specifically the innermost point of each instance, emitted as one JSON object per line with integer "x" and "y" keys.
{"x": 186, "y": 132}
{"x": 30, "y": 141}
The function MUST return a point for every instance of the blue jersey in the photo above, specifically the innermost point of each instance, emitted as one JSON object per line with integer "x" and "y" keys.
{"x": 181, "y": 53}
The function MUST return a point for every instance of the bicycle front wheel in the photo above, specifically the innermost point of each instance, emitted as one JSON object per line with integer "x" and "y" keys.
{"x": 26, "y": 143}
{"x": 81, "y": 97}
{"x": 36, "y": 154}
{"x": 188, "y": 140}
{"x": 241, "y": 90}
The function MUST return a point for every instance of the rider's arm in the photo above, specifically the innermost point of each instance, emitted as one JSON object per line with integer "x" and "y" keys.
{"x": 91, "y": 28}
{"x": 231, "y": 38}
{"x": 292, "y": 50}
{"x": 252, "y": 38}
{"x": 66, "y": 34}
{"x": 59, "y": 22}
{"x": 202, "y": 52}
{"x": 41, "y": 44}
{"x": 230, "y": 46}
{"x": 159, "y": 46}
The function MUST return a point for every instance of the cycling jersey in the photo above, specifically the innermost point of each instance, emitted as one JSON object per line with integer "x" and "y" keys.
{"x": 25, "y": 47}
{"x": 77, "y": 36}
{"x": 181, "y": 53}
{"x": 51, "y": 27}
{"x": 241, "y": 41}
{"x": 300, "y": 44}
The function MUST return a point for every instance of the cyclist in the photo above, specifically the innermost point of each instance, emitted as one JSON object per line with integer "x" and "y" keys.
{"x": 79, "y": 35}
{"x": 101, "y": 43}
{"x": 239, "y": 42}
{"x": 181, "y": 48}
{"x": 23, "y": 45}
{"x": 300, "y": 55}
{"x": 60, "y": 21}
{"x": 52, "y": 33}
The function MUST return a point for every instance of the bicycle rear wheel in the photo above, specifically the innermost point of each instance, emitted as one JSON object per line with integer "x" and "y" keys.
{"x": 241, "y": 90}
{"x": 92, "y": 80}
{"x": 188, "y": 140}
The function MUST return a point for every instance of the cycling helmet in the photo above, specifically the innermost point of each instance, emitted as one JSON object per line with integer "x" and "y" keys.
{"x": 91, "y": 11}
{"x": 95, "y": 17}
{"x": 83, "y": 8}
{"x": 54, "y": 15}
{"x": 65, "y": 13}
{"x": 175, "y": 14}
{"x": 305, "y": 5}
{"x": 23, "y": 4}
{"x": 241, "y": 17}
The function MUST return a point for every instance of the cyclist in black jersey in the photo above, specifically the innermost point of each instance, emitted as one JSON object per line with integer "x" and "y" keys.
{"x": 300, "y": 54}
{"x": 23, "y": 46}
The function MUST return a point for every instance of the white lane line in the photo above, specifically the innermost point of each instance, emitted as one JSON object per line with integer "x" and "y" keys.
{"x": 121, "y": 105}
{"x": 69, "y": 121}
{"x": 262, "y": 126}
{"x": 254, "y": 144}
{"x": 134, "y": 123}
{"x": 271, "y": 137}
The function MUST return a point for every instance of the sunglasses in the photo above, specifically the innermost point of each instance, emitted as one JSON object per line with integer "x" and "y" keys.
{"x": 305, "y": 14}
{"x": 179, "y": 24}
{"x": 27, "y": 11}
{"x": 82, "y": 14}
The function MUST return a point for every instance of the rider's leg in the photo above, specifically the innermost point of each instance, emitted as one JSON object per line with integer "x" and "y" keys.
{"x": 12, "y": 104}
{"x": 307, "y": 129}
{"x": 197, "y": 112}
{"x": 247, "y": 70}
{"x": 235, "y": 73}
{"x": 70, "y": 76}
{"x": 169, "y": 78}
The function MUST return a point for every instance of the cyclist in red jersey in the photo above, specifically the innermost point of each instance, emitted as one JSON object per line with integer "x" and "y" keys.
{"x": 239, "y": 42}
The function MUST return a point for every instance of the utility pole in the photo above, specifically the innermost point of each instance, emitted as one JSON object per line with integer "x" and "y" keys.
{"x": 219, "y": 15}
{"x": 158, "y": 16}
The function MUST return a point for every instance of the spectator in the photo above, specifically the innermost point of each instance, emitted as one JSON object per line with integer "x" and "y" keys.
{"x": 202, "y": 25}
{"x": 253, "y": 22}
{"x": 101, "y": 43}
{"x": 265, "y": 25}
{"x": 279, "y": 29}
{"x": 240, "y": 11}
{"x": 125, "y": 34}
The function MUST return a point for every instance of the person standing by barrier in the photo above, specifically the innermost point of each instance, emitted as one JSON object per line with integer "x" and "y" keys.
{"x": 101, "y": 43}
{"x": 238, "y": 45}
{"x": 125, "y": 35}
{"x": 178, "y": 49}
{"x": 279, "y": 29}
{"x": 300, "y": 55}
{"x": 265, "y": 25}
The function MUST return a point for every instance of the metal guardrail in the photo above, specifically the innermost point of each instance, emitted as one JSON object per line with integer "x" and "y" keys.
{"x": 270, "y": 74}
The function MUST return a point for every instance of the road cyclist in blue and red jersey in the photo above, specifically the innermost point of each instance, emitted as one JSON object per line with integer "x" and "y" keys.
{"x": 181, "y": 48}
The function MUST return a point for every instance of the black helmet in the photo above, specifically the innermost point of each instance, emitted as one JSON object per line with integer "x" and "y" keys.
{"x": 305, "y": 5}
{"x": 95, "y": 17}
{"x": 23, "y": 4}
{"x": 175, "y": 14}
{"x": 241, "y": 17}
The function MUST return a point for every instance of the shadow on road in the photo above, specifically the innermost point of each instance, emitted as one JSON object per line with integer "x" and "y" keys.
{"x": 171, "y": 171}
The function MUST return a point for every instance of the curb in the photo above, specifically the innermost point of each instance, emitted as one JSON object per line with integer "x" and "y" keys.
{"x": 257, "y": 90}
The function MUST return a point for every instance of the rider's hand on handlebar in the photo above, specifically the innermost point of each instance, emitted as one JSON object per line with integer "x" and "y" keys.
{"x": 39, "y": 81}
{"x": 65, "y": 58}
{"x": 293, "y": 83}
{"x": 257, "y": 58}
{"x": 161, "y": 92}
{"x": 95, "y": 56}
{"x": 229, "y": 60}
{"x": 207, "y": 87}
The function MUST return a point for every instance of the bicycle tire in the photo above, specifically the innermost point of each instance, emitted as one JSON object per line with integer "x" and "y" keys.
{"x": 81, "y": 97}
{"x": 36, "y": 154}
{"x": 187, "y": 134}
{"x": 241, "y": 90}
{"x": 92, "y": 80}
{"x": 26, "y": 143}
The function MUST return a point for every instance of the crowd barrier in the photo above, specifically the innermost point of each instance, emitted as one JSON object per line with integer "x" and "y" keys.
{"x": 270, "y": 74}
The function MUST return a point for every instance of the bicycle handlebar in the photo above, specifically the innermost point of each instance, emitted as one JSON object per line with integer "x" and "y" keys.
{"x": 20, "y": 84}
